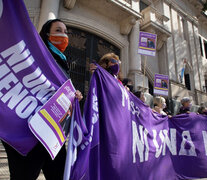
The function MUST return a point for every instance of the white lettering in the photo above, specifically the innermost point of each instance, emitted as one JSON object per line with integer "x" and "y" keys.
{"x": 158, "y": 149}
{"x": 187, "y": 141}
{"x": 26, "y": 107}
{"x": 95, "y": 101}
{"x": 5, "y": 83}
{"x": 134, "y": 109}
{"x": 23, "y": 65}
{"x": 31, "y": 80}
{"x": 139, "y": 143}
{"x": 79, "y": 140}
{"x": 165, "y": 140}
{"x": 42, "y": 90}
{"x": 171, "y": 143}
{"x": 14, "y": 95}
{"x": 4, "y": 70}
{"x": 125, "y": 96}
{"x": 205, "y": 140}
{"x": 16, "y": 52}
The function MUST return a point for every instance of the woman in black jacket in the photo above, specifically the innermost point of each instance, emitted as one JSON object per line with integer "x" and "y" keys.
{"x": 54, "y": 35}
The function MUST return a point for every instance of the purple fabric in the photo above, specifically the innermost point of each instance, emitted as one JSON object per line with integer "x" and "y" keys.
{"x": 29, "y": 75}
{"x": 124, "y": 140}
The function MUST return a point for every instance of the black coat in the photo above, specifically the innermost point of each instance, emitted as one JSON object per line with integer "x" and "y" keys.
{"x": 64, "y": 66}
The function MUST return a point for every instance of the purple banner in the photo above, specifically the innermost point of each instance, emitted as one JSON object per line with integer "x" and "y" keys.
{"x": 147, "y": 43}
{"x": 29, "y": 75}
{"x": 122, "y": 139}
{"x": 161, "y": 84}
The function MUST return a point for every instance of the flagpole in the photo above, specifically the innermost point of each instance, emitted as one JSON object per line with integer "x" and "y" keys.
{"x": 145, "y": 61}
{"x": 69, "y": 158}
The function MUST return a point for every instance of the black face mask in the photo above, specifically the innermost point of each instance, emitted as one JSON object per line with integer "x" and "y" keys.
{"x": 130, "y": 87}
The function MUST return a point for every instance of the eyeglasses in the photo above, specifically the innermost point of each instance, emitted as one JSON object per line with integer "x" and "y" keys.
{"x": 115, "y": 61}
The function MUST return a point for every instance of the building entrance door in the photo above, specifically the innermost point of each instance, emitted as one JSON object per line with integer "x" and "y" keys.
{"x": 85, "y": 48}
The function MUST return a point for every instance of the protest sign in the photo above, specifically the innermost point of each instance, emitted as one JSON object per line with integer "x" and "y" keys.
{"x": 161, "y": 84}
{"x": 147, "y": 43}
{"x": 51, "y": 123}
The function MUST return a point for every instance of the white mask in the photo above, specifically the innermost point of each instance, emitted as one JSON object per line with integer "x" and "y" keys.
{"x": 163, "y": 105}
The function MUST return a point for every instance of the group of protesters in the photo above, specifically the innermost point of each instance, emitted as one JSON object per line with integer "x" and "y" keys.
{"x": 159, "y": 102}
{"x": 54, "y": 35}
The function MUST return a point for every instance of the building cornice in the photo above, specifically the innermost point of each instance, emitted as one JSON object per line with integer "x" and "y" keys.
{"x": 182, "y": 11}
{"x": 154, "y": 22}
{"x": 127, "y": 7}
{"x": 69, "y": 4}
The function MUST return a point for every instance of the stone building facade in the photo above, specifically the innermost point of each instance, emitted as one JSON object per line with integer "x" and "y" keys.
{"x": 100, "y": 26}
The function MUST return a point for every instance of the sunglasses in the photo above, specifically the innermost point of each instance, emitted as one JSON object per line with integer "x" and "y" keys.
{"x": 115, "y": 61}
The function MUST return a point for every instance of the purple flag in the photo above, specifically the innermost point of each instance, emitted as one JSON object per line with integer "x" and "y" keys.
{"x": 122, "y": 139}
{"x": 29, "y": 75}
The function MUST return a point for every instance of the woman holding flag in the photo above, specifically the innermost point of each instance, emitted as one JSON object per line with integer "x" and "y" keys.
{"x": 111, "y": 63}
{"x": 54, "y": 35}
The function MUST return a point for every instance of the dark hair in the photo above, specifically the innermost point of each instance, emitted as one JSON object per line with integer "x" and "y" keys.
{"x": 200, "y": 110}
{"x": 138, "y": 94}
{"x": 126, "y": 81}
{"x": 46, "y": 30}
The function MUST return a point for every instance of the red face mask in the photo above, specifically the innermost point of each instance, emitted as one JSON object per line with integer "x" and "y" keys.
{"x": 60, "y": 41}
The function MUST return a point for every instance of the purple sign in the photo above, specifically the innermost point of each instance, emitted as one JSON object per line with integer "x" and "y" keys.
{"x": 123, "y": 139}
{"x": 29, "y": 75}
{"x": 147, "y": 43}
{"x": 161, "y": 84}
{"x": 51, "y": 123}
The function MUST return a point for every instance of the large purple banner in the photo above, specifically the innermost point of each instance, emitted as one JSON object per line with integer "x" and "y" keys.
{"x": 29, "y": 75}
{"x": 122, "y": 138}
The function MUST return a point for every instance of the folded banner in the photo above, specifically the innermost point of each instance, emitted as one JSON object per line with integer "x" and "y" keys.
{"x": 122, "y": 138}
{"x": 29, "y": 75}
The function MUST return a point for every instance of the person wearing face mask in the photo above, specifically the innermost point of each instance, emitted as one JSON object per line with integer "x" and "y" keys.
{"x": 111, "y": 63}
{"x": 54, "y": 35}
{"x": 159, "y": 105}
{"x": 186, "y": 105}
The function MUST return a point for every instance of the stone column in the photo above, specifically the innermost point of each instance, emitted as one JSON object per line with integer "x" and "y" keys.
{"x": 49, "y": 10}
{"x": 135, "y": 72}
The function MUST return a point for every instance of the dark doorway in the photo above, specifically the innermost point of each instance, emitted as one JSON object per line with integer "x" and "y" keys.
{"x": 151, "y": 88}
{"x": 83, "y": 49}
{"x": 187, "y": 81}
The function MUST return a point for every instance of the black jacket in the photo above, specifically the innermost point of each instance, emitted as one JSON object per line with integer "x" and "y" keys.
{"x": 64, "y": 66}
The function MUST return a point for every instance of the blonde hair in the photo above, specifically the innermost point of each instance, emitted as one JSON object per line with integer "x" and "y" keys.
{"x": 103, "y": 62}
{"x": 158, "y": 100}
{"x": 106, "y": 58}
